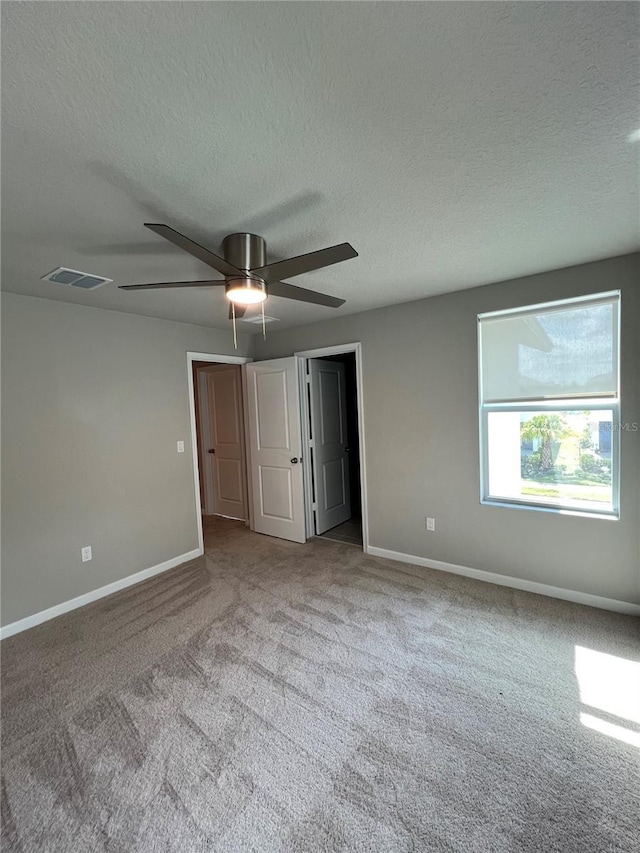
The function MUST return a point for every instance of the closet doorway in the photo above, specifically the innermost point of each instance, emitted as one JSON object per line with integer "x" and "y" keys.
{"x": 221, "y": 441}
{"x": 217, "y": 406}
{"x": 331, "y": 402}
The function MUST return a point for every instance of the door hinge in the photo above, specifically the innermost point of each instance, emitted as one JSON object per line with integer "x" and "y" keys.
{"x": 308, "y": 379}
{"x": 314, "y": 506}
{"x": 312, "y": 443}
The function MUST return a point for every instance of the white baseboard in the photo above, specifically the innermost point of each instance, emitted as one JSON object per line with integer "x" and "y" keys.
{"x": 94, "y": 595}
{"x": 516, "y": 583}
{"x": 477, "y": 574}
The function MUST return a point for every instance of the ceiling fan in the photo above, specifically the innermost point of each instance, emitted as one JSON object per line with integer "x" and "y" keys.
{"x": 248, "y": 279}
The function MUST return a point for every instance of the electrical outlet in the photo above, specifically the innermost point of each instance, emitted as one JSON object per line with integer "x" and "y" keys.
{"x": 181, "y": 447}
{"x": 86, "y": 554}
{"x": 430, "y": 523}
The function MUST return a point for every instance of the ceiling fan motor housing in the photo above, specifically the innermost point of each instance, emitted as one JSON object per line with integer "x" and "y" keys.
{"x": 245, "y": 251}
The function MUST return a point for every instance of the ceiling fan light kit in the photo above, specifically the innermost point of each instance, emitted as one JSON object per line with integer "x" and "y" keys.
{"x": 248, "y": 279}
{"x": 246, "y": 291}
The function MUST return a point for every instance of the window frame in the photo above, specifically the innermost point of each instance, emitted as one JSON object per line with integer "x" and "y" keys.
{"x": 599, "y": 402}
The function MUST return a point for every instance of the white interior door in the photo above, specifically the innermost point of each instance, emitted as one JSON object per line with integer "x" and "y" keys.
{"x": 275, "y": 449}
{"x": 329, "y": 451}
{"x": 224, "y": 447}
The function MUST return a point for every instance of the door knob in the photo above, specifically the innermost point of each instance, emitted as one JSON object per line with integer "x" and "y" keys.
{"x": 346, "y": 450}
{"x": 211, "y": 450}
{"x": 294, "y": 460}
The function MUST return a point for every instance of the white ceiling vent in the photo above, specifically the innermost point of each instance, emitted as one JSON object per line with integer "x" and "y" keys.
{"x": 256, "y": 319}
{"x": 75, "y": 278}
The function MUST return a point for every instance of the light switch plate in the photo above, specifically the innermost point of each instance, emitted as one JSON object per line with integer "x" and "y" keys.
{"x": 181, "y": 447}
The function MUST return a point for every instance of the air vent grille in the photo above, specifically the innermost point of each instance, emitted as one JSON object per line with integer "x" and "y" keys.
{"x": 75, "y": 278}
{"x": 256, "y": 319}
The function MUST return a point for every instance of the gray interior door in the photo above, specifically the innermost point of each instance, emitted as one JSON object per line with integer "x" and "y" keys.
{"x": 329, "y": 450}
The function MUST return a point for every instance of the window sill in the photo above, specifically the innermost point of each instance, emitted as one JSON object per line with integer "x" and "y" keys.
{"x": 607, "y": 515}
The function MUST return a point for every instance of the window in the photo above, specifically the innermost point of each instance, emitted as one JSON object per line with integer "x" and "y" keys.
{"x": 550, "y": 405}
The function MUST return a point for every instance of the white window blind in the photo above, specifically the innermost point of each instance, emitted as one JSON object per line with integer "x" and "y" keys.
{"x": 554, "y": 351}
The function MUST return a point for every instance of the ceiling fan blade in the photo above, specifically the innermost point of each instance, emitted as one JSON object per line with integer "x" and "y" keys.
{"x": 290, "y": 291}
{"x": 161, "y": 284}
{"x": 306, "y": 263}
{"x": 194, "y": 249}
{"x": 240, "y": 311}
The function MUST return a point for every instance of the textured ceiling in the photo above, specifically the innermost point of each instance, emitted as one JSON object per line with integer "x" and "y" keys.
{"x": 453, "y": 144}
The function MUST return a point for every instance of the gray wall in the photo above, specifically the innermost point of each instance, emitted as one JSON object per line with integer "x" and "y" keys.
{"x": 421, "y": 428}
{"x": 93, "y": 403}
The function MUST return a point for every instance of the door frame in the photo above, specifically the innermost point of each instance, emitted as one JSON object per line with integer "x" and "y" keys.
{"x": 322, "y": 352}
{"x": 211, "y": 358}
{"x": 208, "y": 491}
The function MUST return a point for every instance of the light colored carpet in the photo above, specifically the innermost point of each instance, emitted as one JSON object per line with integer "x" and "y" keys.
{"x": 280, "y": 697}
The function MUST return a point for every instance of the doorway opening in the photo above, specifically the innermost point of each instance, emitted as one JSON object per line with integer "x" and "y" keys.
{"x": 216, "y": 402}
{"x": 281, "y": 490}
{"x": 335, "y": 493}
{"x": 221, "y": 443}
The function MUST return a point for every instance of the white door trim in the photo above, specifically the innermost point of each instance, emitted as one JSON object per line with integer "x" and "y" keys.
{"x": 203, "y": 414}
{"x": 211, "y": 358}
{"x": 305, "y": 437}
{"x": 338, "y": 349}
